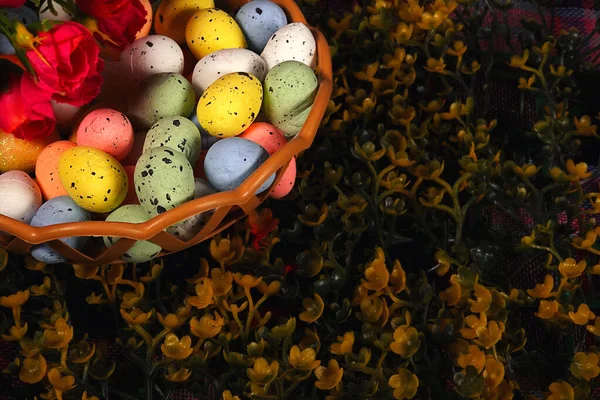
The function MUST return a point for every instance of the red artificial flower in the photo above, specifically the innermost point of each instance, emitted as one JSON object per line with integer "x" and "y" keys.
{"x": 261, "y": 224}
{"x": 12, "y": 3}
{"x": 26, "y": 109}
{"x": 118, "y": 21}
{"x": 67, "y": 63}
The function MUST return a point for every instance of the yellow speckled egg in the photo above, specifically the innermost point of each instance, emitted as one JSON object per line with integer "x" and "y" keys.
{"x": 230, "y": 104}
{"x": 172, "y": 16}
{"x": 212, "y": 29}
{"x": 93, "y": 179}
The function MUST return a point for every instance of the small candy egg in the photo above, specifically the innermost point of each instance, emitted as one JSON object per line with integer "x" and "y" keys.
{"x": 230, "y": 161}
{"x": 58, "y": 14}
{"x": 46, "y": 169}
{"x": 21, "y": 154}
{"x": 230, "y": 104}
{"x": 151, "y": 55}
{"x": 173, "y": 15}
{"x": 159, "y": 96}
{"x": 290, "y": 90}
{"x": 259, "y": 19}
{"x": 59, "y": 210}
{"x": 107, "y": 130}
{"x": 265, "y": 134}
{"x": 164, "y": 179}
{"x": 210, "y": 30}
{"x": 178, "y": 133}
{"x": 189, "y": 227}
{"x": 145, "y": 30}
{"x": 207, "y": 140}
{"x": 93, "y": 178}
{"x": 286, "y": 183}
{"x": 137, "y": 149}
{"x": 20, "y": 196}
{"x": 291, "y": 42}
{"x": 24, "y": 15}
{"x": 226, "y": 61}
{"x": 131, "y": 197}
{"x": 142, "y": 250}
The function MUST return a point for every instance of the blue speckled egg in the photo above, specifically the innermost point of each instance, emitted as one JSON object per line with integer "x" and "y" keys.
{"x": 25, "y": 15}
{"x": 5, "y": 46}
{"x": 58, "y": 210}
{"x": 231, "y": 160}
{"x": 259, "y": 19}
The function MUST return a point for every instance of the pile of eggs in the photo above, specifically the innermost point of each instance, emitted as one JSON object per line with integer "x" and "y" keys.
{"x": 190, "y": 110}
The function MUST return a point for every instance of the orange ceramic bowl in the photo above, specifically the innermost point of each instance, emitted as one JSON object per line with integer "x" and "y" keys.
{"x": 228, "y": 207}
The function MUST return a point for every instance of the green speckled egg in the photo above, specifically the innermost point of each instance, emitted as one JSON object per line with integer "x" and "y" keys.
{"x": 164, "y": 179}
{"x": 178, "y": 133}
{"x": 142, "y": 250}
{"x": 290, "y": 89}
{"x": 230, "y": 104}
{"x": 159, "y": 96}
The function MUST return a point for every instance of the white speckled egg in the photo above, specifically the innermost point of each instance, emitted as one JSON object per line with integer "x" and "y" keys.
{"x": 58, "y": 210}
{"x": 231, "y": 160}
{"x": 142, "y": 250}
{"x": 20, "y": 196}
{"x": 291, "y": 42}
{"x": 178, "y": 133}
{"x": 151, "y": 55}
{"x": 188, "y": 228}
{"x": 223, "y": 62}
{"x": 164, "y": 179}
{"x": 259, "y": 19}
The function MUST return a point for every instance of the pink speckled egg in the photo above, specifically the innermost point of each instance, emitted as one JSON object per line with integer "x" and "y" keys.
{"x": 131, "y": 197}
{"x": 286, "y": 183}
{"x": 107, "y": 130}
{"x": 46, "y": 169}
{"x": 137, "y": 149}
{"x": 266, "y": 135}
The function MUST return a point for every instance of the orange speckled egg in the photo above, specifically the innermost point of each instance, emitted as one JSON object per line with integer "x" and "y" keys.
{"x": 286, "y": 183}
{"x": 265, "y": 134}
{"x": 107, "y": 130}
{"x": 21, "y": 154}
{"x": 46, "y": 169}
{"x": 131, "y": 197}
{"x": 148, "y": 25}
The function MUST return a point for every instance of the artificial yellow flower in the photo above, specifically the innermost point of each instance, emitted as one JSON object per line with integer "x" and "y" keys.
{"x": 208, "y": 326}
{"x": 397, "y": 279}
{"x": 526, "y": 83}
{"x": 585, "y": 244}
{"x": 579, "y": 171}
{"x": 59, "y": 335}
{"x": 43, "y": 289}
{"x": 33, "y": 369}
{"x": 489, "y": 336}
{"x": 136, "y": 316}
{"x": 474, "y": 324}
{"x": 82, "y": 351}
{"x": 444, "y": 261}
{"x": 474, "y": 357}
{"x": 60, "y": 384}
{"x": 220, "y": 282}
{"x": 585, "y": 366}
{"x": 561, "y": 390}
{"x": 15, "y": 333}
{"x": 402, "y": 32}
{"x": 542, "y": 290}
{"x": 263, "y": 373}
{"x": 155, "y": 272}
{"x": 344, "y": 344}
{"x": 582, "y": 316}
{"x": 303, "y": 360}
{"x": 406, "y": 341}
{"x": 470, "y": 70}
{"x": 133, "y": 299}
{"x": 526, "y": 170}
{"x": 434, "y": 65}
{"x": 84, "y": 396}
{"x": 595, "y": 329}
{"x": 247, "y": 281}
{"x": 520, "y": 61}
{"x": 371, "y": 310}
{"x": 404, "y": 383}
{"x": 547, "y": 309}
{"x": 228, "y": 396}
{"x": 377, "y": 275}
{"x": 504, "y": 391}
{"x": 175, "y": 348}
{"x": 311, "y": 339}
{"x": 314, "y": 309}
{"x": 451, "y": 295}
{"x": 584, "y": 126}
{"x": 271, "y": 289}
{"x": 204, "y": 296}
{"x": 313, "y": 215}
{"x": 174, "y": 320}
{"x": 339, "y": 27}
{"x": 328, "y": 377}
{"x": 226, "y": 251}
{"x": 494, "y": 372}
{"x": 15, "y": 300}
{"x": 84, "y": 271}
{"x": 458, "y": 49}
{"x": 572, "y": 269}
{"x": 484, "y": 299}
{"x": 177, "y": 375}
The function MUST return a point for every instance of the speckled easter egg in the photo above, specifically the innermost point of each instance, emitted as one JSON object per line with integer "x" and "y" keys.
{"x": 93, "y": 179}
{"x": 178, "y": 133}
{"x": 265, "y": 134}
{"x": 46, "y": 169}
{"x": 189, "y": 227}
{"x": 207, "y": 139}
{"x": 57, "y": 14}
{"x": 212, "y": 29}
{"x": 59, "y": 210}
{"x": 259, "y": 19}
{"x": 24, "y": 15}
{"x": 107, "y": 130}
{"x": 290, "y": 90}
{"x": 223, "y": 62}
{"x": 20, "y": 153}
{"x": 142, "y": 250}
{"x": 159, "y": 96}
{"x": 230, "y": 104}
{"x": 20, "y": 196}
{"x": 230, "y": 161}
{"x": 151, "y": 55}
{"x": 173, "y": 15}
{"x": 164, "y": 179}
{"x": 145, "y": 30}
{"x": 286, "y": 183}
{"x": 291, "y": 42}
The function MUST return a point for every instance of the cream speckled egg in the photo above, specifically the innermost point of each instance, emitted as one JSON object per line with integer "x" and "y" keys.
{"x": 95, "y": 180}
{"x": 226, "y": 61}
{"x": 292, "y": 42}
{"x": 151, "y": 55}
{"x": 20, "y": 196}
{"x": 173, "y": 15}
{"x": 230, "y": 104}
{"x": 212, "y": 29}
